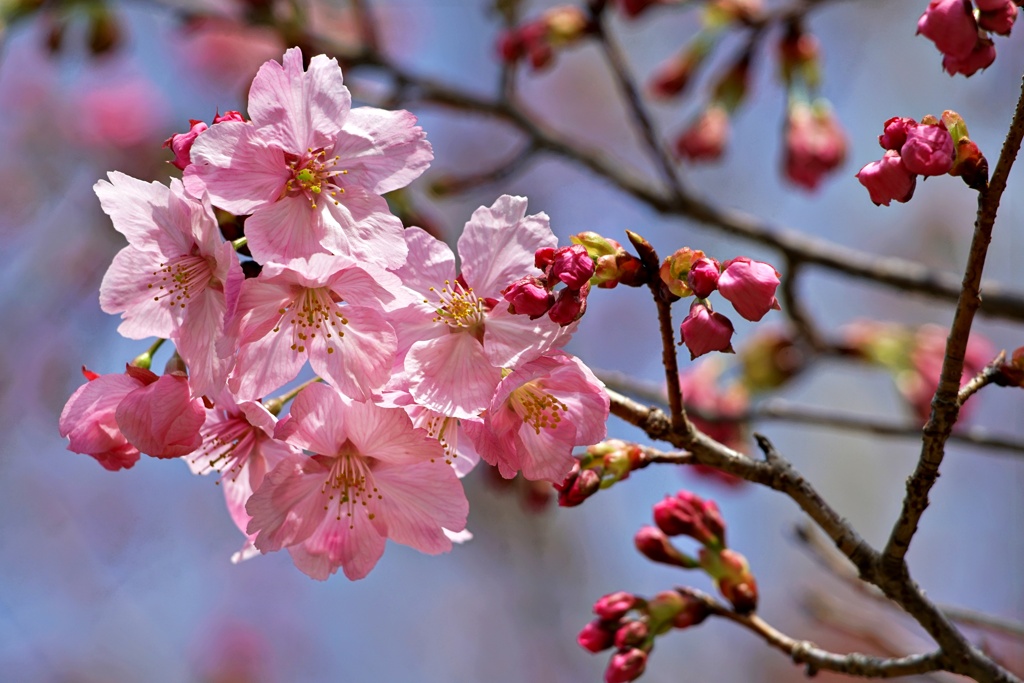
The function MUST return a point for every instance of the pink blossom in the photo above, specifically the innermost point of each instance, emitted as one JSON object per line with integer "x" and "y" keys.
{"x": 180, "y": 144}
{"x": 238, "y": 443}
{"x": 749, "y": 286}
{"x": 161, "y": 418}
{"x": 614, "y": 606}
{"x": 596, "y": 636}
{"x": 309, "y": 168}
{"x": 372, "y": 476}
{"x": 539, "y": 412}
{"x": 572, "y": 266}
{"x": 325, "y": 309}
{"x": 569, "y": 306}
{"x": 703, "y": 277}
{"x": 177, "y": 278}
{"x": 815, "y": 144}
{"x": 706, "y": 137}
{"x": 888, "y": 179}
{"x": 456, "y": 339}
{"x": 928, "y": 150}
{"x": 951, "y": 26}
{"x": 703, "y": 331}
{"x": 625, "y": 666}
{"x": 88, "y": 419}
{"x": 981, "y": 57}
{"x": 1000, "y": 18}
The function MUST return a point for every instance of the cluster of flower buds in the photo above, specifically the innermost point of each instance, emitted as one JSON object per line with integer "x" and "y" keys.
{"x": 914, "y": 356}
{"x": 538, "y": 40}
{"x": 748, "y": 285}
{"x": 687, "y": 514}
{"x": 613, "y": 265}
{"x": 961, "y": 33}
{"x": 603, "y": 465}
{"x": 630, "y": 624}
{"x": 930, "y": 148}
{"x": 534, "y": 295}
{"x": 180, "y": 144}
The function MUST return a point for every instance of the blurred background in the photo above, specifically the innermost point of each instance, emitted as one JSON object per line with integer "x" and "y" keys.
{"x": 126, "y": 576}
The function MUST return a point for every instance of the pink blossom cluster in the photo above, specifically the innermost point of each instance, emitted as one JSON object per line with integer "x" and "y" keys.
{"x": 538, "y": 40}
{"x": 962, "y": 34}
{"x": 747, "y": 284}
{"x": 418, "y": 369}
{"x": 912, "y": 149}
{"x": 534, "y": 295}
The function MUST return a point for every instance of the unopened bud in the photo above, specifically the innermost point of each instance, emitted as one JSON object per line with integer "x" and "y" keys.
{"x": 569, "y": 306}
{"x": 703, "y": 277}
{"x": 578, "y": 487}
{"x": 615, "y": 605}
{"x": 655, "y": 545}
{"x": 573, "y": 266}
{"x": 631, "y": 634}
{"x": 596, "y": 636}
{"x": 687, "y": 514}
{"x": 528, "y": 297}
{"x": 732, "y": 573}
{"x": 626, "y": 666}
{"x": 675, "y": 270}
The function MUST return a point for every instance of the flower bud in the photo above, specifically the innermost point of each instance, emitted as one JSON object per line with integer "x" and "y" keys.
{"x": 703, "y": 277}
{"x": 703, "y": 331}
{"x": 528, "y": 297}
{"x": 687, "y": 514}
{"x": 951, "y": 26}
{"x": 928, "y": 150}
{"x": 631, "y": 634}
{"x": 569, "y": 306}
{"x": 1000, "y": 19}
{"x": 749, "y": 286}
{"x": 888, "y": 179}
{"x": 732, "y": 574}
{"x": 1012, "y": 374}
{"x": 981, "y": 57}
{"x": 895, "y": 132}
{"x": 675, "y": 270}
{"x": 615, "y": 605}
{"x": 596, "y": 636}
{"x": 626, "y": 666}
{"x": 706, "y": 137}
{"x": 654, "y": 545}
{"x": 663, "y": 608}
{"x": 970, "y": 164}
{"x": 573, "y": 266}
{"x": 673, "y": 76}
{"x": 578, "y": 487}
{"x": 181, "y": 143}
{"x": 815, "y": 144}
{"x": 694, "y": 611}
{"x": 230, "y": 115}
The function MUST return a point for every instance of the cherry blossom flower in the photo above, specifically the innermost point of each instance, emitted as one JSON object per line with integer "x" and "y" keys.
{"x": 238, "y": 443}
{"x": 324, "y": 308}
{"x": 539, "y": 412}
{"x": 177, "y": 278}
{"x": 704, "y": 331}
{"x": 309, "y": 168}
{"x": 458, "y": 337}
{"x": 161, "y": 418}
{"x": 372, "y": 476}
{"x": 749, "y": 286}
{"x": 88, "y": 419}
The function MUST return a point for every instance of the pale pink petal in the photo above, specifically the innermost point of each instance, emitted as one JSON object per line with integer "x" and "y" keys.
{"x": 287, "y": 229}
{"x": 415, "y": 323}
{"x": 236, "y": 167}
{"x": 196, "y": 340}
{"x": 126, "y": 289}
{"x": 495, "y": 449}
{"x": 363, "y": 227}
{"x": 297, "y": 109}
{"x": 430, "y": 261}
{"x": 265, "y": 365}
{"x": 451, "y": 375}
{"x": 317, "y": 420}
{"x": 350, "y": 543}
{"x": 547, "y": 455}
{"x": 260, "y": 303}
{"x": 584, "y": 395}
{"x": 382, "y": 150}
{"x": 498, "y": 244}
{"x": 88, "y": 421}
{"x": 289, "y": 505}
{"x": 387, "y": 434}
{"x": 135, "y": 208}
{"x": 161, "y": 419}
{"x": 358, "y": 358}
{"x": 418, "y": 500}
{"x": 512, "y": 339}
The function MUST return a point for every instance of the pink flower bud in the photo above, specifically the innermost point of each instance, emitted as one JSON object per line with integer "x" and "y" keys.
{"x": 704, "y": 331}
{"x": 583, "y": 485}
{"x": 631, "y": 634}
{"x": 614, "y": 605}
{"x": 596, "y": 636}
{"x": 928, "y": 150}
{"x": 528, "y": 297}
{"x": 895, "y": 132}
{"x": 815, "y": 144}
{"x": 569, "y": 306}
{"x": 655, "y": 546}
{"x": 951, "y": 26}
{"x": 626, "y": 666}
{"x": 231, "y": 115}
{"x": 672, "y": 77}
{"x": 749, "y": 286}
{"x": 687, "y": 514}
{"x": 694, "y": 611}
{"x": 706, "y": 137}
{"x": 544, "y": 257}
{"x": 981, "y": 57}
{"x": 181, "y": 143}
{"x": 732, "y": 574}
{"x": 703, "y": 277}
{"x": 88, "y": 419}
{"x": 999, "y": 20}
{"x": 573, "y": 266}
{"x": 675, "y": 270}
{"x": 888, "y": 179}
{"x": 161, "y": 419}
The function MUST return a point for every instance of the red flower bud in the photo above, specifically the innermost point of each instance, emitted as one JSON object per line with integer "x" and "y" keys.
{"x": 928, "y": 150}
{"x": 704, "y": 331}
{"x": 951, "y": 26}
{"x": 749, "y": 286}
{"x": 703, "y": 277}
{"x": 528, "y": 297}
{"x": 888, "y": 179}
{"x": 596, "y": 636}
{"x": 614, "y": 605}
{"x": 573, "y": 266}
{"x": 626, "y": 666}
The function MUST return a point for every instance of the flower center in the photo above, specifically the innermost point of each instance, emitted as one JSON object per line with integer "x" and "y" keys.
{"x": 443, "y": 429}
{"x": 349, "y": 484}
{"x": 313, "y": 312}
{"x": 538, "y": 408}
{"x": 226, "y": 447}
{"x": 181, "y": 278}
{"x": 314, "y": 174}
{"x": 458, "y": 307}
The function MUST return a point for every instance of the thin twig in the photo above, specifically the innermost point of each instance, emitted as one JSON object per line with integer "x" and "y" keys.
{"x": 945, "y": 406}
{"x": 987, "y": 375}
